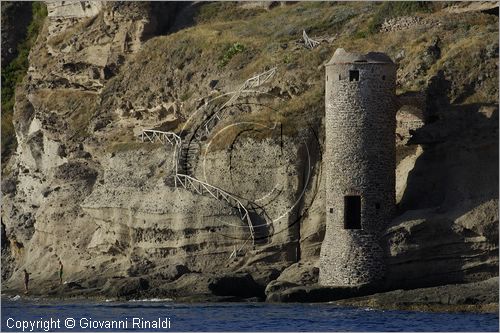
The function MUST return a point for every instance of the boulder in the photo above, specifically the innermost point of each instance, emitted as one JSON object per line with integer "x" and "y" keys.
{"x": 263, "y": 273}
{"x": 194, "y": 287}
{"x": 298, "y": 274}
{"x": 301, "y": 273}
{"x": 279, "y": 286}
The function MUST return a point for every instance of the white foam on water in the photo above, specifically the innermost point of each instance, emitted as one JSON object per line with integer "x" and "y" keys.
{"x": 152, "y": 300}
{"x": 15, "y": 298}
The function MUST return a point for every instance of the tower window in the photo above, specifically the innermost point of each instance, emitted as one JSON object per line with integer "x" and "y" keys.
{"x": 331, "y": 210}
{"x": 352, "y": 212}
{"x": 340, "y": 77}
{"x": 353, "y": 75}
{"x": 383, "y": 77}
{"x": 377, "y": 206}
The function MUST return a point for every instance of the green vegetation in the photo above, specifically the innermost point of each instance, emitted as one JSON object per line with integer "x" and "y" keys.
{"x": 230, "y": 52}
{"x": 360, "y": 34}
{"x": 287, "y": 59}
{"x": 13, "y": 74}
{"x": 390, "y": 9}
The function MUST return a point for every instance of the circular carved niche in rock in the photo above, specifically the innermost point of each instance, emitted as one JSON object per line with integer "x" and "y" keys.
{"x": 246, "y": 157}
{"x": 250, "y": 158}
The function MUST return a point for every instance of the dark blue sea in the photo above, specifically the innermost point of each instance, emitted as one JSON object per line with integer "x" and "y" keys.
{"x": 169, "y": 316}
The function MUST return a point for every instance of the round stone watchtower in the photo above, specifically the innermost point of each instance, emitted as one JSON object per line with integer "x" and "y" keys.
{"x": 359, "y": 158}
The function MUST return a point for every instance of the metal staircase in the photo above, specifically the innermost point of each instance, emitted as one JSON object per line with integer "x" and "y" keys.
{"x": 187, "y": 151}
{"x": 188, "y": 157}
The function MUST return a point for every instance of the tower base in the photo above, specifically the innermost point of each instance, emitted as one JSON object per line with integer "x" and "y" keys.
{"x": 350, "y": 258}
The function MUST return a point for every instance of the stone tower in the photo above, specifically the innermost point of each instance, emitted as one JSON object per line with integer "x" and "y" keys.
{"x": 360, "y": 166}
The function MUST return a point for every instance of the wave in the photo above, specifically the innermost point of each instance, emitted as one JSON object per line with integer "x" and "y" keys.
{"x": 152, "y": 300}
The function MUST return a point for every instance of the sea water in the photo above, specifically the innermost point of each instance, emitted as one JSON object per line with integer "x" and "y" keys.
{"x": 165, "y": 315}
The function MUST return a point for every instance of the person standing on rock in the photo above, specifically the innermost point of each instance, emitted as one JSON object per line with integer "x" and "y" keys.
{"x": 26, "y": 281}
{"x": 60, "y": 272}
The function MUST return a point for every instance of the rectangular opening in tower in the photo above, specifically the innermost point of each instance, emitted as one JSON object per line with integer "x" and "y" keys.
{"x": 352, "y": 212}
{"x": 353, "y": 75}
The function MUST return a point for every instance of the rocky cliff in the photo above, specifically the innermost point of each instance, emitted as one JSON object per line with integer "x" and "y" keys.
{"x": 82, "y": 185}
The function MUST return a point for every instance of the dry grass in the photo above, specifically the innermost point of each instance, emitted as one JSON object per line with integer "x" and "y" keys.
{"x": 270, "y": 39}
{"x": 118, "y": 147}
{"x": 74, "y": 106}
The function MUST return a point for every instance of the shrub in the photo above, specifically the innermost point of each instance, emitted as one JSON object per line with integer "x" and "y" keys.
{"x": 230, "y": 52}
{"x": 359, "y": 34}
{"x": 287, "y": 59}
{"x": 13, "y": 74}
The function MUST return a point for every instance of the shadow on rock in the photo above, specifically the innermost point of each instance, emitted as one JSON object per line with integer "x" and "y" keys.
{"x": 448, "y": 229}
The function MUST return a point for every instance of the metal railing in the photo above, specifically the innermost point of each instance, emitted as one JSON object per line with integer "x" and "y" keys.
{"x": 258, "y": 80}
{"x": 252, "y": 82}
{"x": 195, "y": 185}
{"x": 163, "y": 137}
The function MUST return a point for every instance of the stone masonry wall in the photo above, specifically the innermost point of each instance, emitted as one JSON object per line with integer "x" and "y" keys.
{"x": 359, "y": 160}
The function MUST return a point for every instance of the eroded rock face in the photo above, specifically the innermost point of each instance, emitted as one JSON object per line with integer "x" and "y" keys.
{"x": 87, "y": 41}
{"x": 79, "y": 195}
{"x": 461, "y": 244}
{"x": 83, "y": 187}
{"x": 80, "y": 46}
{"x": 448, "y": 228}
